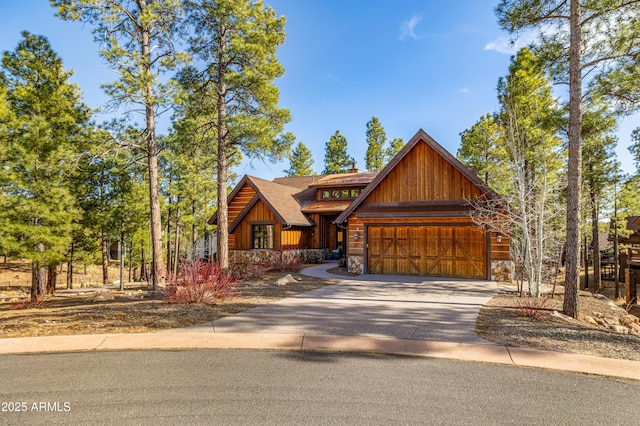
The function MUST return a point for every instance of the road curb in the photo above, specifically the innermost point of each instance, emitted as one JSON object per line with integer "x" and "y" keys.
{"x": 488, "y": 353}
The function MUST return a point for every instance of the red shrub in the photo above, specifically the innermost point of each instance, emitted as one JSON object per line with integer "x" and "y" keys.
{"x": 28, "y": 303}
{"x": 533, "y": 307}
{"x": 201, "y": 283}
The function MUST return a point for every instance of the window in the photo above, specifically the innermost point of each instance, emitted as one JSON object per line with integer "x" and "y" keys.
{"x": 340, "y": 193}
{"x": 263, "y": 236}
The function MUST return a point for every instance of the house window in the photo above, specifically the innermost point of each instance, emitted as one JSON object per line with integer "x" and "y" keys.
{"x": 263, "y": 236}
{"x": 340, "y": 193}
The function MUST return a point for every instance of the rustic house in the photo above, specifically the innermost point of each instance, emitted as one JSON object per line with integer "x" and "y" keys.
{"x": 411, "y": 218}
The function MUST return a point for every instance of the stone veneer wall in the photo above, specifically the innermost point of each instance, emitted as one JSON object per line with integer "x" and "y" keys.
{"x": 501, "y": 270}
{"x": 355, "y": 264}
{"x": 271, "y": 256}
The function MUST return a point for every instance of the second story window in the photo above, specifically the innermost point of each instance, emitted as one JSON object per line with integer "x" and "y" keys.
{"x": 331, "y": 194}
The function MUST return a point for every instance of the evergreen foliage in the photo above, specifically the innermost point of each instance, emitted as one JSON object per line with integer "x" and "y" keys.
{"x": 393, "y": 149}
{"x": 336, "y": 159}
{"x": 301, "y": 161}
{"x": 376, "y": 139}
{"x": 41, "y": 135}
{"x": 235, "y": 44}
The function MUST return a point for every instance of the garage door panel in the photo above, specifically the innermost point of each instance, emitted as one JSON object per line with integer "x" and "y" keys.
{"x": 448, "y": 251}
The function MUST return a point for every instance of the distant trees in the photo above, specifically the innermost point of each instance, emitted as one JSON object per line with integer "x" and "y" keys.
{"x": 394, "y": 148}
{"x": 481, "y": 148}
{"x": 42, "y": 130}
{"x": 336, "y": 158}
{"x": 376, "y": 139}
{"x": 301, "y": 161}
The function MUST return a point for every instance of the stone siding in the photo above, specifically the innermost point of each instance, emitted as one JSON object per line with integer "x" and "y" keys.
{"x": 267, "y": 257}
{"x": 501, "y": 270}
{"x": 355, "y": 264}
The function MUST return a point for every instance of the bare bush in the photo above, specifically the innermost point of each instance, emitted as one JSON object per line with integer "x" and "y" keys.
{"x": 201, "y": 283}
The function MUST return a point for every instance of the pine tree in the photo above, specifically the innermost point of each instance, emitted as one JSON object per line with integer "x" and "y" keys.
{"x": 394, "y": 148}
{"x": 39, "y": 145}
{"x": 301, "y": 161}
{"x": 336, "y": 159}
{"x": 236, "y": 42}
{"x": 612, "y": 31}
{"x": 376, "y": 139}
{"x": 598, "y": 168}
{"x": 483, "y": 149}
{"x": 137, "y": 41}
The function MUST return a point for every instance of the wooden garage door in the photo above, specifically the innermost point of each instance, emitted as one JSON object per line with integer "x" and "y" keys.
{"x": 444, "y": 251}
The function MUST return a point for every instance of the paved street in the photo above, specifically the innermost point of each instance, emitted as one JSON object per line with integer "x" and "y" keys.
{"x": 272, "y": 387}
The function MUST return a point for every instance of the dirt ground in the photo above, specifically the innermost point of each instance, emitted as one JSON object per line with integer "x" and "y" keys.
{"x": 138, "y": 309}
{"x": 510, "y": 320}
{"x": 507, "y": 319}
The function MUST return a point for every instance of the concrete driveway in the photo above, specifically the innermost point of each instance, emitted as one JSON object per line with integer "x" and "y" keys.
{"x": 419, "y": 308}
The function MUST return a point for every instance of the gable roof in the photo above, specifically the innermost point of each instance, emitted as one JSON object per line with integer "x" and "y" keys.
{"x": 419, "y": 137}
{"x": 279, "y": 198}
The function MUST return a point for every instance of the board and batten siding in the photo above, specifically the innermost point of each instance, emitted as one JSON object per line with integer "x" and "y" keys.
{"x": 423, "y": 175}
{"x": 259, "y": 213}
{"x": 284, "y": 239}
{"x": 240, "y": 201}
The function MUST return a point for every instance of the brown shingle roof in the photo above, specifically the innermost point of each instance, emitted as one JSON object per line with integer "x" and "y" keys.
{"x": 301, "y": 182}
{"x": 281, "y": 199}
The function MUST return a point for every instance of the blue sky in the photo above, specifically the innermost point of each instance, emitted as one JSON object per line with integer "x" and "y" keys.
{"x": 413, "y": 64}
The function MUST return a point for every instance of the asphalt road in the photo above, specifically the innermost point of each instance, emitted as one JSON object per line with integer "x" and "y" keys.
{"x": 269, "y": 387}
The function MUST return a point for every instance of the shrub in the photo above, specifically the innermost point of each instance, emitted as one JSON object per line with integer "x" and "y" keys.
{"x": 532, "y": 307}
{"x": 28, "y": 303}
{"x": 201, "y": 283}
{"x": 249, "y": 270}
{"x": 312, "y": 256}
{"x": 282, "y": 261}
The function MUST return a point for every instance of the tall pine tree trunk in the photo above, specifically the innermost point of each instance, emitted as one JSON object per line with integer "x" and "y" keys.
{"x": 596, "y": 242}
{"x": 158, "y": 273}
{"x": 585, "y": 256}
{"x": 70, "y": 267}
{"x": 572, "y": 277}
{"x": 194, "y": 233}
{"x": 223, "y": 217}
{"x": 52, "y": 279}
{"x": 38, "y": 277}
{"x": 122, "y": 258}
{"x": 105, "y": 259}
{"x": 177, "y": 244}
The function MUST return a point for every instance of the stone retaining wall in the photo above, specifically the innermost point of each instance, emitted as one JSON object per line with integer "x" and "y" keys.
{"x": 267, "y": 257}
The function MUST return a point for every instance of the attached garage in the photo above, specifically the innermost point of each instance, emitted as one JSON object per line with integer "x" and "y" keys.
{"x": 434, "y": 250}
{"x": 416, "y": 218}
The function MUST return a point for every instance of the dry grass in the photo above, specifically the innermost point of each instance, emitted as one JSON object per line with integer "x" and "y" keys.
{"x": 139, "y": 310}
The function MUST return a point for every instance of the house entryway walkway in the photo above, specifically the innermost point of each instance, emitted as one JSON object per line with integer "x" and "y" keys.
{"x": 415, "y": 308}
